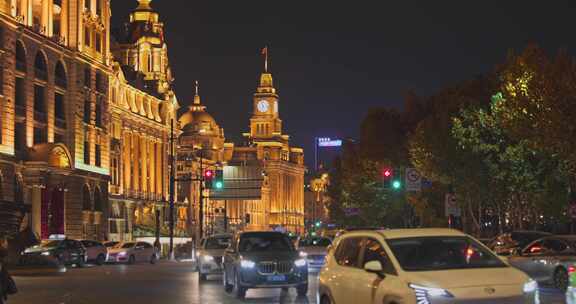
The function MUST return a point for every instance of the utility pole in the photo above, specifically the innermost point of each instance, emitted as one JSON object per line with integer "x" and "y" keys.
{"x": 171, "y": 194}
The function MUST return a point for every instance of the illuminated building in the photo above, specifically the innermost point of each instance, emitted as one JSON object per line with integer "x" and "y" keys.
{"x": 54, "y": 139}
{"x": 268, "y": 150}
{"x": 142, "y": 108}
{"x": 75, "y": 117}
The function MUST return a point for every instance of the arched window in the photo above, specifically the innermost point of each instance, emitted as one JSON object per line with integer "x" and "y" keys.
{"x": 86, "y": 199}
{"x": 98, "y": 205}
{"x": 60, "y": 75}
{"x": 20, "y": 57}
{"x": 40, "y": 67}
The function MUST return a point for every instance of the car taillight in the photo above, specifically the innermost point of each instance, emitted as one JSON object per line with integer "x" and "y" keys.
{"x": 571, "y": 269}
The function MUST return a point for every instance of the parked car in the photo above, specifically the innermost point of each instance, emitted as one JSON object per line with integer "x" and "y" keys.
{"x": 263, "y": 260}
{"x": 95, "y": 252}
{"x": 210, "y": 254}
{"x": 314, "y": 249}
{"x": 56, "y": 252}
{"x": 132, "y": 252}
{"x": 509, "y": 243}
{"x": 548, "y": 260}
{"x": 424, "y": 266}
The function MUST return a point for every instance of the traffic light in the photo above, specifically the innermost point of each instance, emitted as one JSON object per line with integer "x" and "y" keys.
{"x": 318, "y": 224}
{"x": 218, "y": 182}
{"x": 208, "y": 178}
{"x": 387, "y": 175}
{"x": 396, "y": 184}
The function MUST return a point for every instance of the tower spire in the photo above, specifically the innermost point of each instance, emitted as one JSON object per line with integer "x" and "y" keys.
{"x": 196, "y": 95}
{"x": 265, "y": 53}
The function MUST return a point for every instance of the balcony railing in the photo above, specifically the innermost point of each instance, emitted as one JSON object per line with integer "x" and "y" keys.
{"x": 60, "y": 123}
{"x": 20, "y": 110}
{"x": 40, "y": 116}
{"x": 40, "y": 74}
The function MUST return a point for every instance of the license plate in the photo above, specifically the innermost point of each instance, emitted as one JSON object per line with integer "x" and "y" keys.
{"x": 276, "y": 278}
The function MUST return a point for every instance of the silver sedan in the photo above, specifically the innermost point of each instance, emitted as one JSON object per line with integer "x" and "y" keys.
{"x": 548, "y": 260}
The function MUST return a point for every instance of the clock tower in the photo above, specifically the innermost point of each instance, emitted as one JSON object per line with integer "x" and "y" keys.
{"x": 265, "y": 123}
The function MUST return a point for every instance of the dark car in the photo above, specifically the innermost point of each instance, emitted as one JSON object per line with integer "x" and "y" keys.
{"x": 55, "y": 252}
{"x": 263, "y": 260}
{"x": 511, "y": 242}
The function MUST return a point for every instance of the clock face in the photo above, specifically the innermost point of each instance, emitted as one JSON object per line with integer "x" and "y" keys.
{"x": 263, "y": 106}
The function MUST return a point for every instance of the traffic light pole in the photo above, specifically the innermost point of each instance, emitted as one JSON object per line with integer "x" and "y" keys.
{"x": 201, "y": 199}
{"x": 171, "y": 192}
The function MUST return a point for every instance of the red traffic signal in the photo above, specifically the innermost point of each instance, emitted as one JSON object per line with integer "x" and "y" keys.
{"x": 208, "y": 174}
{"x": 387, "y": 173}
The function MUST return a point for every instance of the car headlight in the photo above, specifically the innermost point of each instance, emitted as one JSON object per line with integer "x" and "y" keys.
{"x": 207, "y": 258}
{"x": 247, "y": 264}
{"x": 423, "y": 293}
{"x": 303, "y": 254}
{"x": 300, "y": 262}
{"x": 45, "y": 253}
{"x": 530, "y": 286}
{"x": 122, "y": 253}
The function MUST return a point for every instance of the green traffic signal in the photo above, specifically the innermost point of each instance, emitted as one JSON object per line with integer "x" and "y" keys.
{"x": 219, "y": 185}
{"x": 396, "y": 184}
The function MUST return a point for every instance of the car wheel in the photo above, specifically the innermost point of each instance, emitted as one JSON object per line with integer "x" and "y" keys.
{"x": 325, "y": 300}
{"x": 153, "y": 259}
{"x": 101, "y": 259}
{"x": 131, "y": 260}
{"x": 227, "y": 287}
{"x": 239, "y": 291}
{"x": 302, "y": 290}
{"x": 561, "y": 279}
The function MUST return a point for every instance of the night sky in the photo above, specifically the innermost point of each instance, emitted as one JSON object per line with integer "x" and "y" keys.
{"x": 333, "y": 60}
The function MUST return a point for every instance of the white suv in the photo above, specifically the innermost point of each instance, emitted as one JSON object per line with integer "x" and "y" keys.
{"x": 419, "y": 266}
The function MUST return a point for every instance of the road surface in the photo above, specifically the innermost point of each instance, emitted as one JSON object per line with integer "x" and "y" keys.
{"x": 164, "y": 283}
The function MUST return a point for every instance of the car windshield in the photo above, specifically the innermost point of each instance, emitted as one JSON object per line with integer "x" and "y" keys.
{"x": 265, "y": 242}
{"x": 442, "y": 253}
{"x": 318, "y": 242}
{"x": 127, "y": 245}
{"x": 217, "y": 243}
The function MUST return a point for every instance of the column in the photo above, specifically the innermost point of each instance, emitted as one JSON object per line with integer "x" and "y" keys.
{"x": 144, "y": 164}
{"x": 44, "y": 16}
{"x": 136, "y": 163}
{"x": 126, "y": 146}
{"x": 64, "y": 21}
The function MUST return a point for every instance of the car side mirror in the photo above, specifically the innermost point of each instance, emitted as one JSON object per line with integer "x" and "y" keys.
{"x": 374, "y": 267}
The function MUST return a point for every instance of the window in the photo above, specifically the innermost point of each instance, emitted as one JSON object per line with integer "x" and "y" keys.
{"x": 59, "y": 111}
{"x": 87, "y": 78}
{"x": 554, "y": 245}
{"x": 348, "y": 251}
{"x": 86, "y": 151}
{"x": 39, "y": 96}
{"x": 99, "y": 7}
{"x": 19, "y": 136}
{"x": 98, "y": 156}
{"x": 20, "y": 57}
{"x": 373, "y": 251}
{"x": 20, "y": 97}
{"x": 40, "y": 136}
{"x": 87, "y": 36}
{"x": 98, "y": 113}
{"x": 40, "y": 67}
{"x": 87, "y": 111}
{"x": 99, "y": 83}
{"x": 88, "y": 5}
{"x": 98, "y": 43}
{"x": 60, "y": 76}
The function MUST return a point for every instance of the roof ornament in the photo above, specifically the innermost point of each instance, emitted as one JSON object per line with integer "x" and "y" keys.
{"x": 265, "y": 53}
{"x": 196, "y": 95}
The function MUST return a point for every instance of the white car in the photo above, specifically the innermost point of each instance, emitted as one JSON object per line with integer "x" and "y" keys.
{"x": 314, "y": 249}
{"x": 419, "y": 266}
{"x": 210, "y": 254}
{"x": 132, "y": 252}
{"x": 95, "y": 252}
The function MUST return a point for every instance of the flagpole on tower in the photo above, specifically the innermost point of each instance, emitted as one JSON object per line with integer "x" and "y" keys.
{"x": 265, "y": 53}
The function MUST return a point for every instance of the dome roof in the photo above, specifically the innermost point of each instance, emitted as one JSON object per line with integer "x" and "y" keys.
{"x": 193, "y": 117}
